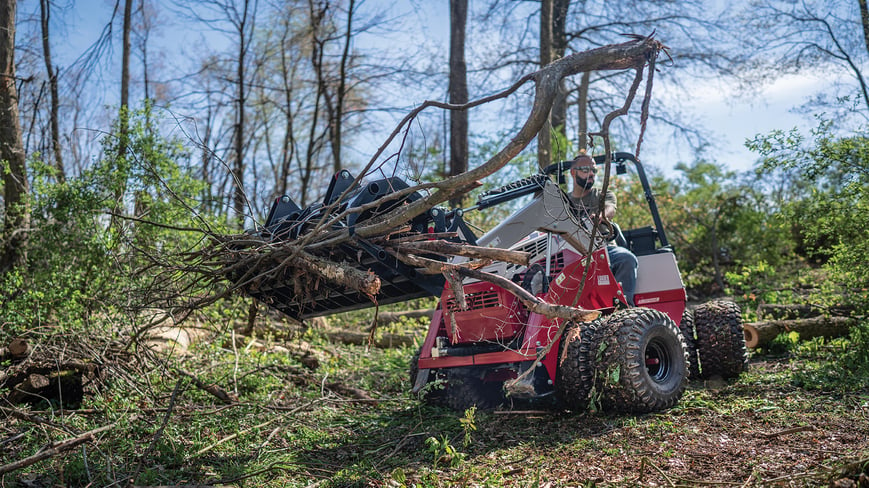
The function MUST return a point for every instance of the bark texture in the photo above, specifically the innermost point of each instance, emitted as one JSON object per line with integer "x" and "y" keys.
{"x": 16, "y": 188}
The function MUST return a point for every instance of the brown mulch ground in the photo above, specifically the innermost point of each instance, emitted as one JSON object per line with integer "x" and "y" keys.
{"x": 744, "y": 434}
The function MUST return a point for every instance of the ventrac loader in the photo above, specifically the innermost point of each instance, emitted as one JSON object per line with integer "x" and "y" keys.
{"x": 484, "y": 347}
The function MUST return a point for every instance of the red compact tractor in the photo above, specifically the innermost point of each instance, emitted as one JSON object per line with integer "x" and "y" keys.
{"x": 486, "y": 348}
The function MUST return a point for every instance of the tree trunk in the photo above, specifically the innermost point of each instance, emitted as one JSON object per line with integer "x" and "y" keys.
{"x": 458, "y": 92}
{"x": 52, "y": 72}
{"x": 559, "y": 47}
{"x": 544, "y": 140}
{"x": 759, "y": 334}
{"x": 15, "y": 186}
{"x": 338, "y": 116}
{"x": 125, "y": 80}
{"x": 582, "y": 109}
{"x": 288, "y": 148}
{"x": 864, "y": 22}
{"x": 239, "y": 199}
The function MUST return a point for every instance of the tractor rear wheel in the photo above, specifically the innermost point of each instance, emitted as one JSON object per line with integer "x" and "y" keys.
{"x": 686, "y": 326}
{"x": 720, "y": 339}
{"x": 577, "y": 358}
{"x": 644, "y": 366}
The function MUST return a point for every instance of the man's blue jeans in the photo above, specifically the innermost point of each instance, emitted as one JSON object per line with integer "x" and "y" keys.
{"x": 624, "y": 265}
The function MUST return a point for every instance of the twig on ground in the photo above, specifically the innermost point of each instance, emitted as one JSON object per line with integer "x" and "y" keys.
{"x": 215, "y": 390}
{"x": 245, "y": 431}
{"x": 401, "y": 443}
{"x": 54, "y": 449}
{"x": 793, "y": 430}
{"x": 650, "y": 463}
{"x": 36, "y": 419}
{"x": 158, "y": 433}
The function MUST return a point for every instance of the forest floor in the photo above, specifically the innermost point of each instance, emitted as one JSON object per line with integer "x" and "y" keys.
{"x": 757, "y": 431}
{"x": 352, "y": 422}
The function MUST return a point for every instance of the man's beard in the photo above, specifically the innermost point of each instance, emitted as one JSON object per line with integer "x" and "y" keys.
{"x": 585, "y": 183}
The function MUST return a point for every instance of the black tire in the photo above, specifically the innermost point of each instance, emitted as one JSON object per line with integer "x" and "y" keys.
{"x": 720, "y": 339}
{"x": 644, "y": 367}
{"x": 577, "y": 357}
{"x": 464, "y": 389}
{"x": 461, "y": 389}
{"x": 686, "y": 326}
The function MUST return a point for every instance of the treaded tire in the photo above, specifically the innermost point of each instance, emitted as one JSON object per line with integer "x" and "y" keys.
{"x": 686, "y": 326}
{"x": 461, "y": 390}
{"x": 720, "y": 339}
{"x": 577, "y": 357}
{"x": 464, "y": 390}
{"x": 644, "y": 367}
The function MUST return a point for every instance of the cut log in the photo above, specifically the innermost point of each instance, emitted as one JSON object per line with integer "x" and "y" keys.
{"x": 759, "y": 334}
{"x": 17, "y": 349}
{"x": 351, "y": 337}
{"x": 30, "y": 389}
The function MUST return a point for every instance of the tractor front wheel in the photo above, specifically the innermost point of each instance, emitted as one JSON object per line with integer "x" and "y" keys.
{"x": 458, "y": 388}
{"x": 577, "y": 358}
{"x": 644, "y": 364}
{"x": 465, "y": 389}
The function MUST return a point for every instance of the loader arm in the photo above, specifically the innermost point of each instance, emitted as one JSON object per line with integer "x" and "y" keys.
{"x": 550, "y": 212}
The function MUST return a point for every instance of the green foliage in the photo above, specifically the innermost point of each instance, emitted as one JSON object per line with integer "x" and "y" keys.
{"x": 840, "y": 364}
{"x": 92, "y": 233}
{"x": 443, "y": 452}
{"x": 754, "y": 284}
{"x": 468, "y": 425}
{"x": 830, "y": 219}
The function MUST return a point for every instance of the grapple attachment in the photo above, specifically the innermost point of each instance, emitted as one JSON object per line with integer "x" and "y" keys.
{"x": 286, "y": 221}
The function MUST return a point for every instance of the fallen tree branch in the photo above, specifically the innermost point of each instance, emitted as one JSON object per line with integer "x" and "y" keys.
{"x": 383, "y": 341}
{"x": 325, "y": 240}
{"x": 466, "y": 250}
{"x": 531, "y": 302}
{"x": 215, "y": 390}
{"x": 384, "y": 318}
{"x": 54, "y": 449}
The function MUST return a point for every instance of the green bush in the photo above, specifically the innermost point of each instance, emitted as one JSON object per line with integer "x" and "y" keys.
{"x": 838, "y": 364}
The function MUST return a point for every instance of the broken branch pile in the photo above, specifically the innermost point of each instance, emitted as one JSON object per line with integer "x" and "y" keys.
{"x": 369, "y": 243}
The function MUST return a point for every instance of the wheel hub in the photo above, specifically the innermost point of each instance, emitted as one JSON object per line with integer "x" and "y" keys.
{"x": 658, "y": 361}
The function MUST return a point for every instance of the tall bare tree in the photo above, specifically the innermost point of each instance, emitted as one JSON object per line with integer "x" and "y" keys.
{"x": 559, "y": 49}
{"x": 544, "y": 137}
{"x": 812, "y": 36}
{"x": 337, "y": 117}
{"x": 52, "y": 72}
{"x": 705, "y": 50}
{"x": 124, "y": 114}
{"x": 15, "y": 186}
{"x": 458, "y": 89}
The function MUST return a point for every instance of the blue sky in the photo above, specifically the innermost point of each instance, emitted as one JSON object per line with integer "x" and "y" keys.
{"x": 732, "y": 120}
